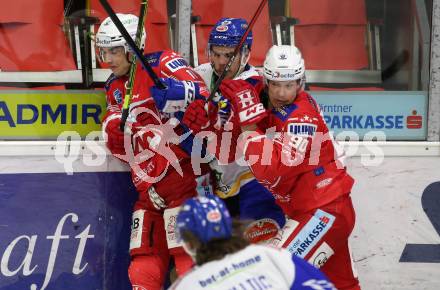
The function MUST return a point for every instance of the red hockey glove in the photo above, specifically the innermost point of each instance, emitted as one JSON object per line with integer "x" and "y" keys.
{"x": 244, "y": 100}
{"x": 143, "y": 119}
{"x": 113, "y": 136}
{"x": 195, "y": 117}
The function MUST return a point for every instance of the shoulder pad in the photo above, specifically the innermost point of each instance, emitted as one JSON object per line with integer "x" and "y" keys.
{"x": 205, "y": 71}
{"x": 173, "y": 61}
{"x": 204, "y": 67}
{"x": 284, "y": 112}
{"x": 248, "y": 72}
{"x": 153, "y": 58}
{"x": 254, "y": 81}
{"x": 312, "y": 102}
{"x": 109, "y": 81}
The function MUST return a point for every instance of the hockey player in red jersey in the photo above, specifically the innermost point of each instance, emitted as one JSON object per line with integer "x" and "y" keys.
{"x": 233, "y": 181}
{"x": 161, "y": 171}
{"x": 298, "y": 164}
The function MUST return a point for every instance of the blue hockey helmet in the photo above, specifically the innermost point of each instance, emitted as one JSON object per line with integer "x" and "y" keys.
{"x": 228, "y": 32}
{"x": 205, "y": 217}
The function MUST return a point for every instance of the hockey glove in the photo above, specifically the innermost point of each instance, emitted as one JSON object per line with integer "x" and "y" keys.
{"x": 195, "y": 117}
{"x": 244, "y": 100}
{"x": 177, "y": 96}
{"x": 113, "y": 136}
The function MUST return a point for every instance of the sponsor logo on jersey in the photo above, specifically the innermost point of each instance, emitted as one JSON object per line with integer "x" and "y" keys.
{"x": 320, "y": 259}
{"x": 324, "y": 183}
{"x": 261, "y": 230}
{"x": 302, "y": 129}
{"x": 213, "y": 278}
{"x": 117, "y": 94}
{"x": 170, "y": 219}
{"x": 176, "y": 64}
{"x": 321, "y": 255}
{"x": 311, "y": 233}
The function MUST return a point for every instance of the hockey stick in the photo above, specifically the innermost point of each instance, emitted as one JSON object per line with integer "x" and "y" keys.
{"x": 132, "y": 45}
{"x": 129, "y": 88}
{"x": 237, "y": 49}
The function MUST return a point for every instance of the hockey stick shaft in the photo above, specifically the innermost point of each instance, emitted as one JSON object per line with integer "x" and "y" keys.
{"x": 131, "y": 44}
{"x": 132, "y": 75}
{"x": 237, "y": 49}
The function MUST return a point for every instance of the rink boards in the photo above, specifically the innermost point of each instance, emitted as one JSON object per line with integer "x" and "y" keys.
{"x": 65, "y": 218}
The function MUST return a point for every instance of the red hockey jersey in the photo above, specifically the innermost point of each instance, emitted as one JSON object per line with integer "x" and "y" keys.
{"x": 171, "y": 186}
{"x": 298, "y": 161}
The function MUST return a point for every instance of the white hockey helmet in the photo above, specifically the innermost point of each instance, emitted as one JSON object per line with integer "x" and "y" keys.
{"x": 283, "y": 63}
{"x": 108, "y": 34}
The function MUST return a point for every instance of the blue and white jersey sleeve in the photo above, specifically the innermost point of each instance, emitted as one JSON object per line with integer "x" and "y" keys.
{"x": 308, "y": 277}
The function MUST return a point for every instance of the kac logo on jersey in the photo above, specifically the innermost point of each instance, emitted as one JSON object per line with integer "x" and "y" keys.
{"x": 302, "y": 129}
{"x": 117, "y": 94}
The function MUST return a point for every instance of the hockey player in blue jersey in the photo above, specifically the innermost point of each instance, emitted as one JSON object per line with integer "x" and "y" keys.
{"x": 225, "y": 260}
{"x": 245, "y": 197}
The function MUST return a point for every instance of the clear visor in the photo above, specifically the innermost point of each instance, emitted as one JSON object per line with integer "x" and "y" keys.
{"x": 105, "y": 54}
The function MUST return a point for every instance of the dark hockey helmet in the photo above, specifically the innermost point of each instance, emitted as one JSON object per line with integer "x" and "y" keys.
{"x": 228, "y": 32}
